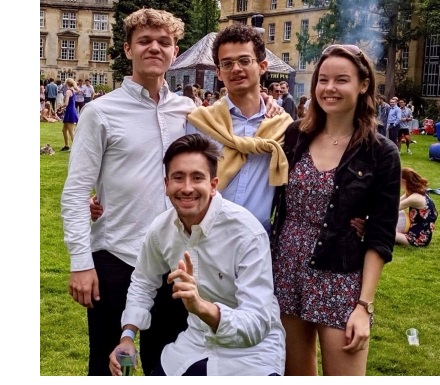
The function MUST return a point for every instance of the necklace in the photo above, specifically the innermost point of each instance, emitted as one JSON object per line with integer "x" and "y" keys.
{"x": 335, "y": 141}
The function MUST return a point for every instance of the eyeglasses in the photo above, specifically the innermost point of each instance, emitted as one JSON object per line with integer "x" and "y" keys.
{"x": 353, "y": 49}
{"x": 278, "y": 91}
{"x": 243, "y": 62}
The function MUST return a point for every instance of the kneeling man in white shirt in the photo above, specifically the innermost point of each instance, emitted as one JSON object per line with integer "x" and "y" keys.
{"x": 221, "y": 268}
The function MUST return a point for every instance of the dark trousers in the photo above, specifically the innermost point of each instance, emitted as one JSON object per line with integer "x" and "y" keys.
{"x": 104, "y": 320}
{"x": 381, "y": 129}
{"x": 79, "y": 106}
{"x": 52, "y": 103}
{"x": 393, "y": 133}
{"x": 168, "y": 319}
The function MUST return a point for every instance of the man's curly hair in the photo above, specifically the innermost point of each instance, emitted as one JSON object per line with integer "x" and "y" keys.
{"x": 153, "y": 18}
{"x": 239, "y": 33}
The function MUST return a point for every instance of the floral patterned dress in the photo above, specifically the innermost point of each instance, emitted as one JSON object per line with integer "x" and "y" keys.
{"x": 319, "y": 296}
{"x": 422, "y": 223}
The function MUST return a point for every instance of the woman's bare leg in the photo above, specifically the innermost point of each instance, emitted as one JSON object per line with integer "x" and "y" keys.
{"x": 301, "y": 358}
{"x": 335, "y": 361}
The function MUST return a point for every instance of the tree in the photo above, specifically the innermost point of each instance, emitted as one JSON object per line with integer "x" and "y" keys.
{"x": 205, "y": 17}
{"x": 380, "y": 27}
{"x": 429, "y": 12}
{"x": 180, "y": 8}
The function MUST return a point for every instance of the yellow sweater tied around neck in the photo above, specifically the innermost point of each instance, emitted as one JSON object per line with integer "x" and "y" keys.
{"x": 216, "y": 122}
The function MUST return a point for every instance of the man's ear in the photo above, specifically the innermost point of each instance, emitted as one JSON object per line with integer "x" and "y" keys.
{"x": 214, "y": 183}
{"x": 219, "y": 74}
{"x": 166, "y": 180}
{"x": 263, "y": 66}
{"x": 127, "y": 51}
{"x": 176, "y": 51}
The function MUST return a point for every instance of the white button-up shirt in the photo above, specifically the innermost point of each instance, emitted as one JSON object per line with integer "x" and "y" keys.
{"x": 119, "y": 145}
{"x": 233, "y": 269}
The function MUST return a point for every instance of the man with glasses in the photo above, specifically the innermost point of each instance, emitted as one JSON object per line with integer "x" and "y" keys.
{"x": 253, "y": 162}
{"x": 275, "y": 92}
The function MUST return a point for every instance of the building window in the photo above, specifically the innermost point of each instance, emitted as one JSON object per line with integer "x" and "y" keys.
{"x": 69, "y": 20}
{"x": 431, "y": 67}
{"x": 96, "y": 79}
{"x": 289, "y": 3}
{"x": 301, "y": 63}
{"x": 242, "y": 5}
{"x": 299, "y": 90}
{"x": 273, "y": 4}
{"x": 42, "y": 23}
{"x": 63, "y": 75}
{"x": 68, "y": 49}
{"x": 100, "y": 22}
{"x": 42, "y": 47}
{"x": 101, "y": 1}
{"x": 305, "y": 25}
{"x": 287, "y": 30}
{"x": 271, "y": 33}
{"x": 99, "y": 51}
{"x": 285, "y": 57}
{"x": 404, "y": 58}
{"x": 241, "y": 21}
{"x": 185, "y": 80}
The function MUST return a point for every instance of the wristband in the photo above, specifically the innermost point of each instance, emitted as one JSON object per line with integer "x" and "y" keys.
{"x": 128, "y": 333}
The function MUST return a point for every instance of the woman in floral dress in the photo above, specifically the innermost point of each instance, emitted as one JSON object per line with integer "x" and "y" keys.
{"x": 325, "y": 274}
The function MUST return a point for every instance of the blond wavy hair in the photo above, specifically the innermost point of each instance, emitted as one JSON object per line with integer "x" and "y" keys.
{"x": 71, "y": 83}
{"x": 153, "y": 18}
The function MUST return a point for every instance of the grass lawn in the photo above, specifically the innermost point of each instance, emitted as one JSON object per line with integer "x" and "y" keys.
{"x": 408, "y": 294}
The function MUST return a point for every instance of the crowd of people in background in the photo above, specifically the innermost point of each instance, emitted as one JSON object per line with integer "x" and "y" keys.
{"x": 295, "y": 273}
{"x": 55, "y": 91}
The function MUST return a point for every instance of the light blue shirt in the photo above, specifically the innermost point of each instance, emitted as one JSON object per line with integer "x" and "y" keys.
{"x": 394, "y": 116}
{"x": 250, "y": 186}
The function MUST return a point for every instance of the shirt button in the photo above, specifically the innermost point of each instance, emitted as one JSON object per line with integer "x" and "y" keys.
{"x": 331, "y": 205}
{"x": 319, "y": 243}
{"x": 312, "y": 263}
{"x": 360, "y": 173}
{"x": 325, "y": 224}
{"x": 337, "y": 187}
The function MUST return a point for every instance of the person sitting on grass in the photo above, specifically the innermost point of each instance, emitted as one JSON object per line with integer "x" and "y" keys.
{"x": 422, "y": 211}
{"x": 48, "y": 115}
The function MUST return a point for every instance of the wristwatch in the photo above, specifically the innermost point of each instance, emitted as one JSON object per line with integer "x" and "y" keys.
{"x": 369, "y": 306}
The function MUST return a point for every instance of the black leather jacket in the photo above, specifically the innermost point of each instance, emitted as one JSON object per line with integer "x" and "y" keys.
{"x": 367, "y": 182}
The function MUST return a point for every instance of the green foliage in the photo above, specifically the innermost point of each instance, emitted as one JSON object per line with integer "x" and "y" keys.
{"x": 407, "y": 294}
{"x": 432, "y": 109}
{"x": 429, "y": 13}
{"x": 102, "y": 87}
{"x": 195, "y": 25}
{"x": 205, "y": 16}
